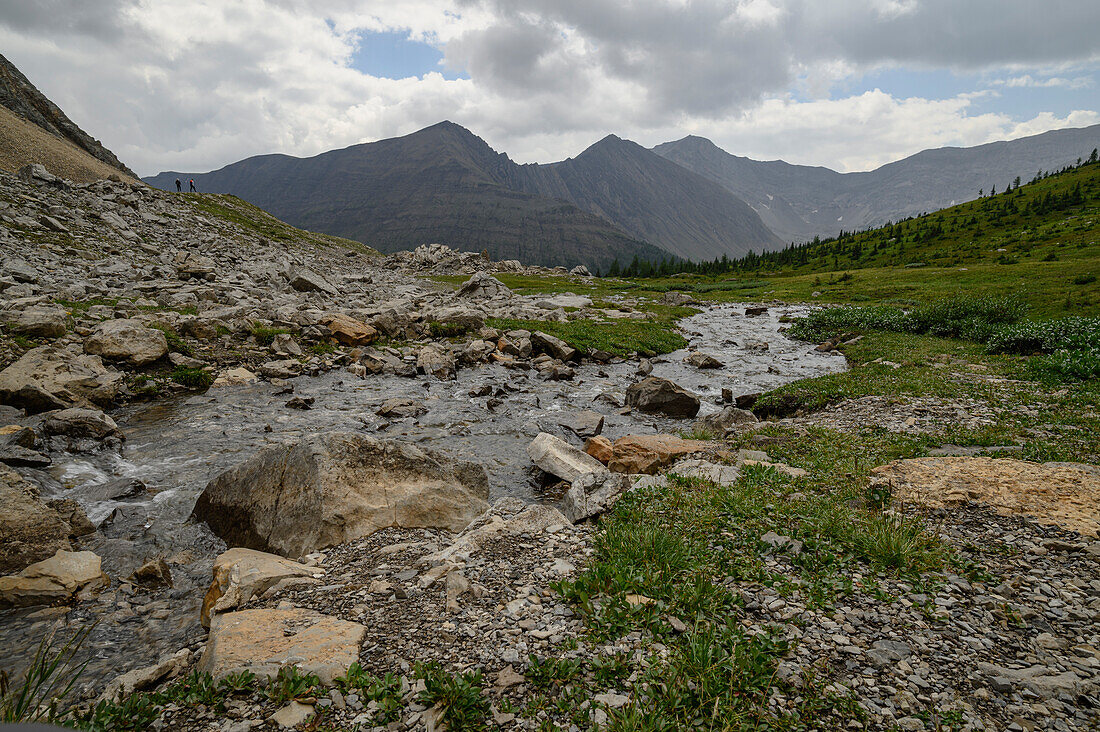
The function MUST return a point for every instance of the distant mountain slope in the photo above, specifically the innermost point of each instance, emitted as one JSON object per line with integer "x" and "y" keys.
{"x": 20, "y": 96}
{"x": 444, "y": 184}
{"x": 652, "y": 199}
{"x": 799, "y": 202}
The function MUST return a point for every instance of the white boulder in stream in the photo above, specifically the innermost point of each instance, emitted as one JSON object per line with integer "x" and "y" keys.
{"x": 335, "y": 487}
{"x": 557, "y": 457}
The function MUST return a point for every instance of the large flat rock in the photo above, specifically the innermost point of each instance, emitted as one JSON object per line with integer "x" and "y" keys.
{"x": 557, "y": 457}
{"x": 263, "y": 641}
{"x": 1059, "y": 494}
{"x": 53, "y": 580}
{"x": 243, "y": 574}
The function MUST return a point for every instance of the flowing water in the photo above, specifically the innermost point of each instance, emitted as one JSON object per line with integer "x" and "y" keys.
{"x": 175, "y": 447}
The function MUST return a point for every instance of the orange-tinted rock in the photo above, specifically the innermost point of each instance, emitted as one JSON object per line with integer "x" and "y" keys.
{"x": 649, "y": 453}
{"x": 349, "y": 331}
{"x": 599, "y": 447}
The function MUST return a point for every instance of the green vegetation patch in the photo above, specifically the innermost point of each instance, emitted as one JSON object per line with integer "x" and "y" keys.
{"x": 619, "y": 337}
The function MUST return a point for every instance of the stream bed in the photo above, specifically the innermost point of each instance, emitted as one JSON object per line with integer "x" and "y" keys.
{"x": 175, "y": 447}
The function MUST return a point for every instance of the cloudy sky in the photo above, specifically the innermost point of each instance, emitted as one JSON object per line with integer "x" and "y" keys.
{"x": 196, "y": 84}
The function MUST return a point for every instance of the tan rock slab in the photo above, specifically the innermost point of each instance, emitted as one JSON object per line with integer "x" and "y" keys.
{"x": 1058, "y": 494}
{"x": 243, "y": 574}
{"x": 263, "y": 641}
{"x": 52, "y": 580}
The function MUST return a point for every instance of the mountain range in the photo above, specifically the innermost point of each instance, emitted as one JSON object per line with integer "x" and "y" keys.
{"x": 799, "y": 202}
{"x": 444, "y": 184}
{"x": 686, "y": 199}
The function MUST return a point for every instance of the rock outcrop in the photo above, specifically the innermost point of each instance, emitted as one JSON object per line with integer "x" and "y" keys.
{"x": 335, "y": 487}
{"x": 649, "y": 453}
{"x": 242, "y": 574}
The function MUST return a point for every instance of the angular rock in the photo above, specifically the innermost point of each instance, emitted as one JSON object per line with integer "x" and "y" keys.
{"x": 720, "y": 422}
{"x": 705, "y": 470}
{"x": 72, "y": 513}
{"x": 556, "y": 347}
{"x": 649, "y": 453}
{"x": 349, "y": 331}
{"x": 81, "y": 430}
{"x": 166, "y": 668}
{"x": 287, "y": 368}
{"x": 583, "y": 424}
{"x": 306, "y": 280}
{"x": 29, "y": 529}
{"x": 154, "y": 573}
{"x": 263, "y": 641}
{"x": 127, "y": 339}
{"x": 436, "y": 360}
{"x": 241, "y": 575}
{"x": 557, "y": 457}
{"x": 600, "y": 448}
{"x": 400, "y": 408}
{"x": 508, "y": 515}
{"x": 334, "y": 487}
{"x": 53, "y": 580}
{"x": 592, "y": 494}
{"x": 49, "y": 377}
{"x": 661, "y": 396}
{"x": 37, "y": 322}
{"x": 703, "y": 361}
{"x": 482, "y": 285}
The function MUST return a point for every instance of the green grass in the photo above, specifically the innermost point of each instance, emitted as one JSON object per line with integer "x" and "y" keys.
{"x": 618, "y": 337}
{"x": 255, "y": 220}
{"x": 193, "y": 378}
{"x": 264, "y": 334}
{"x": 175, "y": 341}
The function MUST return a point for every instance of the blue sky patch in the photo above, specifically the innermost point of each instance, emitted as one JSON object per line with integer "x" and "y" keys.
{"x": 393, "y": 55}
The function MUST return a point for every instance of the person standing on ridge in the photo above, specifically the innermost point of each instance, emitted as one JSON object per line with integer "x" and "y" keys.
{"x": 179, "y": 186}
{"x": 193, "y": 186}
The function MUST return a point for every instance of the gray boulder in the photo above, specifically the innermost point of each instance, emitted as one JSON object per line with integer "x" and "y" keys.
{"x": 127, "y": 339}
{"x": 335, "y": 487}
{"x": 305, "y": 279}
{"x": 81, "y": 430}
{"x": 720, "y": 422}
{"x": 482, "y": 285}
{"x": 557, "y": 457}
{"x": 49, "y": 377}
{"x": 593, "y": 493}
{"x": 437, "y": 361}
{"x": 556, "y": 347}
{"x": 37, "y": 322}
{"x": 661, "y": 396}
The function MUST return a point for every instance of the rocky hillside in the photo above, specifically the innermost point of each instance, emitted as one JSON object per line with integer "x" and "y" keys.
{"x": 444, "y": 184}
{"x": 799, "y": 202}
{"x": 20, "y": 96}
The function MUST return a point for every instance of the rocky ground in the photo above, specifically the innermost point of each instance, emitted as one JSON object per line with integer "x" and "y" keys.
{"x": 811, "y": 572}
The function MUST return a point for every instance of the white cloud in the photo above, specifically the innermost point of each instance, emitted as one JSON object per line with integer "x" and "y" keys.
{"x": 1014, "y": 82}
{"x": 198, "y": 84}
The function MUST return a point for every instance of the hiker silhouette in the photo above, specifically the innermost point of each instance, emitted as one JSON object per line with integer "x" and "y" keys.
{"x": 179, "y": 186}
{"x": 193, "y": 186}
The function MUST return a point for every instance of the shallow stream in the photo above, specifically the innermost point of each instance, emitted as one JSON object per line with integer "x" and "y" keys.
{"x": 175, "y": 447}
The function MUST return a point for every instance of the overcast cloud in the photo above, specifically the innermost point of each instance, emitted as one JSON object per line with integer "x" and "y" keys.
{"x": 198, "y": 84}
